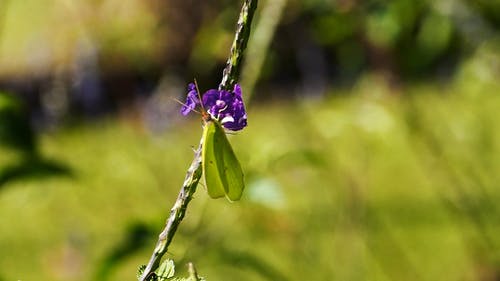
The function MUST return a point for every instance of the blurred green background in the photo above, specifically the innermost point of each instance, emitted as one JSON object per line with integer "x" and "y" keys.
{"x": 372, "y": 151}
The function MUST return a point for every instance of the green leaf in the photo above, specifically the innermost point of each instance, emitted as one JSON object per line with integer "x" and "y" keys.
{"x": 140, "y": 270}
{"x": 166, "y": 270}
{"x": 193, "y": 275}
{"x": 221, "y": 169}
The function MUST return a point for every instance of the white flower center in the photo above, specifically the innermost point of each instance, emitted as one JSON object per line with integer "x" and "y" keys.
{"x": 220, "y": 103}
{"x": 227, "y": 119}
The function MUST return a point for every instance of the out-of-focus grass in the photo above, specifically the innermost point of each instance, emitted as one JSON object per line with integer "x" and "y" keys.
{"x": 369, "y": 187}
{"x": 36, "y": 36}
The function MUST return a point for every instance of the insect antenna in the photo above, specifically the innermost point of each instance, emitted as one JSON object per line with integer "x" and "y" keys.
{"x": 204, "y": 113}
{"x": 184, "y": 104}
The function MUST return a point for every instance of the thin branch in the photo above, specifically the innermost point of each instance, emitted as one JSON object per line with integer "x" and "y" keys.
{"x": 177, "y": 213}
{"x": 232, "y": 69}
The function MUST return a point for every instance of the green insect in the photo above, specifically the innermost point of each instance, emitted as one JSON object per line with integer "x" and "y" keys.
{"x": 221, "y": 169}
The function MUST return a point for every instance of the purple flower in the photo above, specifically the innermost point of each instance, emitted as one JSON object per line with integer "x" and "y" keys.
{"x": 191, "y": 101}
{"x": 225, "y": 106}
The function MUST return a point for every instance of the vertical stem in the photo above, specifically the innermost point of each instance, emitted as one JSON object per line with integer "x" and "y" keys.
{"x": 232, "y": 70}
{"x": 177, "y": 213}
{"x": 193, "y": 175}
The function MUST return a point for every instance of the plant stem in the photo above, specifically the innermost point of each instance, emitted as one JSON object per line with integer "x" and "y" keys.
{"x": 232, "y": 70}
{"x": 177, "y": 213}
{"x": 193, "y": 175}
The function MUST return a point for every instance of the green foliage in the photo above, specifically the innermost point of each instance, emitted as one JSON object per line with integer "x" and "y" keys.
{"x": 140, "y": 271}
{"x": 413, "y": 35}
{"x": 15, "y": 129}
{"x": 166, "y": 272}
{"x": 127, "y": 30}
{"x": 490, "y": 10}
{"x": 19, "y": 157}
{"x": 377, "y": 185}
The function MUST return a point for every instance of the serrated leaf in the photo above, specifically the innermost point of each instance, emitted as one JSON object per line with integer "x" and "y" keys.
{"x": 140, "y": 270}
{"x": 166, "y": 270}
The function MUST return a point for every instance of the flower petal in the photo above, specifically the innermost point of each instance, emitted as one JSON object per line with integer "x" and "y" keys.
{"x": 225, "y": 106}
{"x": 191, "y": 100}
